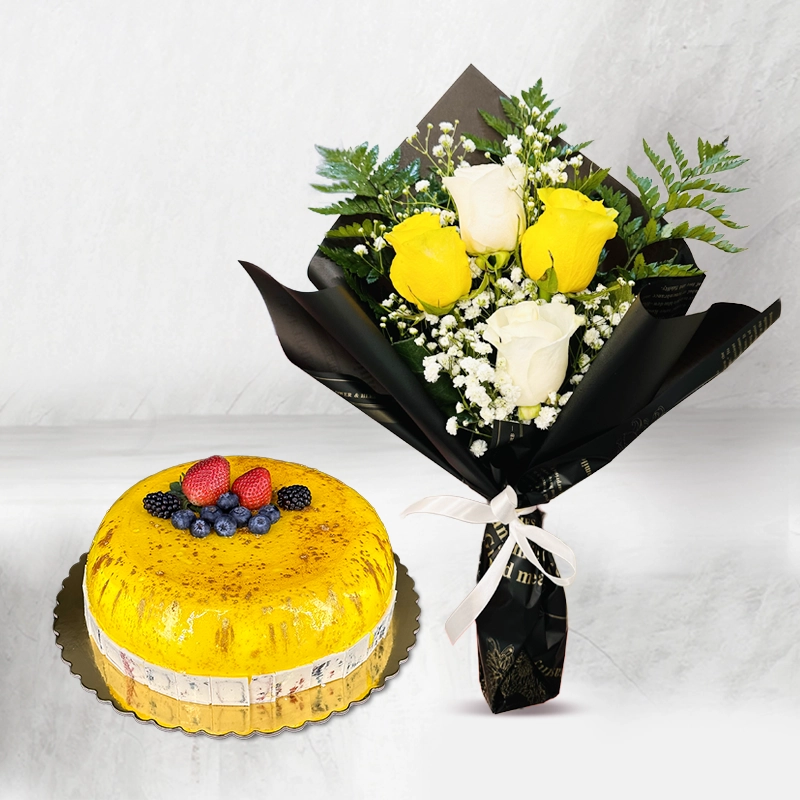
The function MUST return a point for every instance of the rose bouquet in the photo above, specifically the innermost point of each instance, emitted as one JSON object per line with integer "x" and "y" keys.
{"x": 519, "y": 317}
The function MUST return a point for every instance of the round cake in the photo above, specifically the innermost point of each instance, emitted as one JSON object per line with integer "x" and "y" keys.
{"x": 242, "y": 615}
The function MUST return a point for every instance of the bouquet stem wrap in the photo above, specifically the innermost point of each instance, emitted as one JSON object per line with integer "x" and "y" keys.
{"x": 657, "y": 356}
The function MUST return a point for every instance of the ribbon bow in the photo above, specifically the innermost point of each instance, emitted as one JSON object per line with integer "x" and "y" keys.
{"x": 501, "y": 508}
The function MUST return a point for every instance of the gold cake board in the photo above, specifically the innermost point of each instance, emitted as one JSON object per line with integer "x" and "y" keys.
{"x": 99, "y": 675}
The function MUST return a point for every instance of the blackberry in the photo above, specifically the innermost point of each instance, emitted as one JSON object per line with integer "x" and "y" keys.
{"x": 161, "y": 504}
{"x": 294, "y": 498}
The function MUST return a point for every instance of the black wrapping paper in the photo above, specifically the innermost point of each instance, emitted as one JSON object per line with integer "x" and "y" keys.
{"x": 656, "y": 357}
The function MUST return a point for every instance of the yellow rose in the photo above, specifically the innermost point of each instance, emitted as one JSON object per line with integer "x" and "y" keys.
{"x": 431, "y": 266}
{"x": 573, "y": 229}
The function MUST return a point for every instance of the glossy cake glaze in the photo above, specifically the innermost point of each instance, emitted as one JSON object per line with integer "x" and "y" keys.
{"x": 318, "y": 583}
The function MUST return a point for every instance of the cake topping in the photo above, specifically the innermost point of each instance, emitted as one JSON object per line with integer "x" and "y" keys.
{"x": 183, "y": 519}
{"x": 254, "y": 488}
{"x": 200, "y": 528}
{"x": 161, "y": 504}
{"x": 209, "y": 513}
{"x": 207, "y": 480}
{"x": 270, "y": 512}
{"x": 258, "y": 524}
{"x": 294, "y": 498}
{"x": 228, "y": 501}
{"x": 205, "y": 492}
{"x": 241, "y": 515}
{"x": 225, "y": 525}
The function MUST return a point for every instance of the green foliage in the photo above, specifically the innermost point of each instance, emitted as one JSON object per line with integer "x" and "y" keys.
{"x": 360, "y": 266}
{"x": 487, "y": 146}
{"x": 590, "y": 183}
{"x": 358, "y": 270}
{"x": 503, "y": 127}
{"x": 357, "y": 171}
{"x": 661, "y": 269}
{"x": 354, "y": 205}
{"x": 547, "y": 284}
{"x": 444, "y": 394}
{"x": 687, "y": 189}
{"x": 354, "y": 231}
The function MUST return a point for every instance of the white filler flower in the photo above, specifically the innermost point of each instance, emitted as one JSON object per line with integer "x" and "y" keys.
{"x": 534, "y": 341}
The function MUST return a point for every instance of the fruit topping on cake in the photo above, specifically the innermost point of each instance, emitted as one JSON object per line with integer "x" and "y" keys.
{"x": 294, "y": 498}
{"x": 228, "y": 501}
{"x": 204, "y": 501}
{"x": 200, "y": 529}
{"x": 206, "y": 481}
{"x": 209, "y": 513}
{"x": 241, "y": 515}
{"x": 254, "y": 488}
{"x": 259, "y": 524}
{"x": 183, "y": 519}
{"x": 225, "y": 525}
{"x": 161, "y": 504}
{"x": 271, "y": 512}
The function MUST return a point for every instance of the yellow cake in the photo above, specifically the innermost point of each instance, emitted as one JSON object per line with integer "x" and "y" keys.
{"x": 245, "y": 619}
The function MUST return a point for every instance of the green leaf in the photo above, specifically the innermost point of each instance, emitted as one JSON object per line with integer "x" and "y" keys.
{"x": 505, "y": 129}
{"x": 647, "y": 192}
{"x": 435, "y": 310}
{"x": 677, "y": 154}
{"x": 651, "y": 231}
{"x": 703, "y": 233}
{"x": 513, "y": 112}
{"x": 487, "y": 145}
{"x": 590, "y": 183}
{"x": 353, "y": 231}
{"x": 444, "y": 394}
{"x": 348, "y": 260}
{"x": 355, "y": 205}
{"x": 548, "y": 284}
{"x": 176, "y": 487}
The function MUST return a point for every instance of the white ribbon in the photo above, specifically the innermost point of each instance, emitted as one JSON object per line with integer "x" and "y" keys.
{"x": 501, "y": 508}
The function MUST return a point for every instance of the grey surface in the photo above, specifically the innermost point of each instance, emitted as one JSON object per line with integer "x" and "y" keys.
{"x": 683, "y": 660}
{"x": 146, "y": 148}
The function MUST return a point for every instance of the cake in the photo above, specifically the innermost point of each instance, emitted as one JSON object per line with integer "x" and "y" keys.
{"x": 246, "y": 618}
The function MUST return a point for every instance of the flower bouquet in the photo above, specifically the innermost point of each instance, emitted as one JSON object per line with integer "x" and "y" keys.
{"x": 518, "y": 316}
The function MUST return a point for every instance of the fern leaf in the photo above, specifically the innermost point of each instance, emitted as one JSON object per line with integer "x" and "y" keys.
{"x": 354, "y": 231}
{"x": 355, "y": 205}
{"x": 590, "y": 183}
{"x": 505, "y": 129}
{"x": 680, "y": 159}
{"x": 512, "y": 110}
{"x": 487, "y": 145}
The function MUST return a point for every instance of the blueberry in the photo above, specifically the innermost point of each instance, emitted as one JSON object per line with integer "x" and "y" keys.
{"x": 241, "y": 515}
{"x": 183, "y": 519}
{"x": 272, "y": 513}
{"x": 209, "y": 513}
{"x": 225, "y": 525}
{"x": 259, "y": 524}
{"x": 200, "y": 528}
{"x": 228, "y": 501}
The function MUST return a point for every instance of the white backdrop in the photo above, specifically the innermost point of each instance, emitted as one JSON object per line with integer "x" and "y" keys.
{"x": 146, "y": 147}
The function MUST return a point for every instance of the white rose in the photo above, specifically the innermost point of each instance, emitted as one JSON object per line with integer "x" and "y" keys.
{"x": 534, "y": 341}
{"x": 488, "y": 197}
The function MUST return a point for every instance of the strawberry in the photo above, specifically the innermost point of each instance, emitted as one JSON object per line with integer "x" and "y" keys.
{"x": 206, "y": 480}
{"x": 254, "y": 488}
